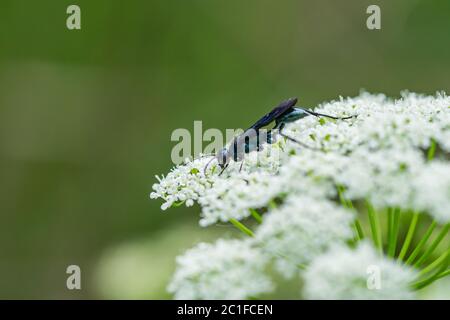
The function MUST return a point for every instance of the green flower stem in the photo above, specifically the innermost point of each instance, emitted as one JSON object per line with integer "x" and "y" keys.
{"x": 347, "y": 203}
{"x": 272, "y": 204}
{"x": 242, "y": 227}
{"x": 359, "y": 230}
{"x": 423, "y": 283}
{"x": 178, "y": 204}
{"x": 432, "y": 150}
{"x": 375, "y": 227}
{"x": 433, "y": 245}
{"x": 441, "y": 272}
{"x": 340, "y": 190}
{"x": 435, "y": 263}
{"x": 389, "y": 224}
{"x": 393, "y": 217}
{"x": 421, "y": 243}
{"x": 409, "y": 236}
{"x": 350, "y": 204}
{"x": 256, "y": 215}
{"x": 397, "y": 217}
{"x": 357, "y": 224}
{"x": 301, "y": 266}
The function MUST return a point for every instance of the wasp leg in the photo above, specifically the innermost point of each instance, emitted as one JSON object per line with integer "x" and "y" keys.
{"x": 280, "y": 131}
{"x": 242, "y": 163}
{"x": 226, "y": 166}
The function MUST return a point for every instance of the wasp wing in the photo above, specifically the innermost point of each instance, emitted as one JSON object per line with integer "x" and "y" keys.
{"x": 275, "y": 113}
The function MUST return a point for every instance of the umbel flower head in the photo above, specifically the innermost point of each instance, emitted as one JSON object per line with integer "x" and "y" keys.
{"x": 227, "y": 269}
{"x": 392, "y": 158}
{"x": 378, "y": 157}
{"x": 361, "y": 273}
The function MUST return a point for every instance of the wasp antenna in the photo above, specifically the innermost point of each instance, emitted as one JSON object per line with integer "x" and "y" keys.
{"x": 316, "y": 114}
{"x": 201, "y": 155}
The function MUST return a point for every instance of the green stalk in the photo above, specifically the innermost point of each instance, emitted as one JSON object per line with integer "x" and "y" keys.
{"x": 421, "y": 243}
{"x": 357, "y": 224}
{"x": 272, "y": 204}
{"x": 359, "y": 230}
{"x": 349, "y": 204}
{"x": 301, "y": 266}
{"x": 242, "y": 227}
{"x": 340, "y": 190}
{"x": 389, "y": 226}
{"x": 442, "y": 272}
{"x": 393, "y": 216}
{"x": 423, "y": 283}
{"x": 432, "y": 150}
{"x": 435, "y": 263}
{"x": 433, "y": 245}
{"x": 375, "y": 227}
{"x": 409, "y": 236}
{"x": 346, "y": 203}
{"x": 397, "y": 217}
{"x": 256, "y": 215}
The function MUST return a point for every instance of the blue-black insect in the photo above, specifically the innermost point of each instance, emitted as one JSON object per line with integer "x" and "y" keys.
{"x": 252, "y": 139}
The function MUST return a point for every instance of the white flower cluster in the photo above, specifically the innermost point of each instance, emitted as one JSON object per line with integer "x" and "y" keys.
{"x": 232, "y": 198}
{"x": 361, "y": 273}
{"x": 395, "y": 153}
{"x": 382, "y": 176}
{"x": 227, "y": 269}
{"x": 185, "y": 183}
{"x": 382, "y": 155}
{"x": 294, "y": 234}
{"x": 410, "y": 121}
{"x": 433, "y": 190}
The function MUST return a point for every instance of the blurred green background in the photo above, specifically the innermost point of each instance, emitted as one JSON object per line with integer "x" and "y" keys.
{"x": 86, "y": 115}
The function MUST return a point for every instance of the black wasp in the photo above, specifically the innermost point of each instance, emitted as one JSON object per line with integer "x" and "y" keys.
{"x": 250, "y": 139}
